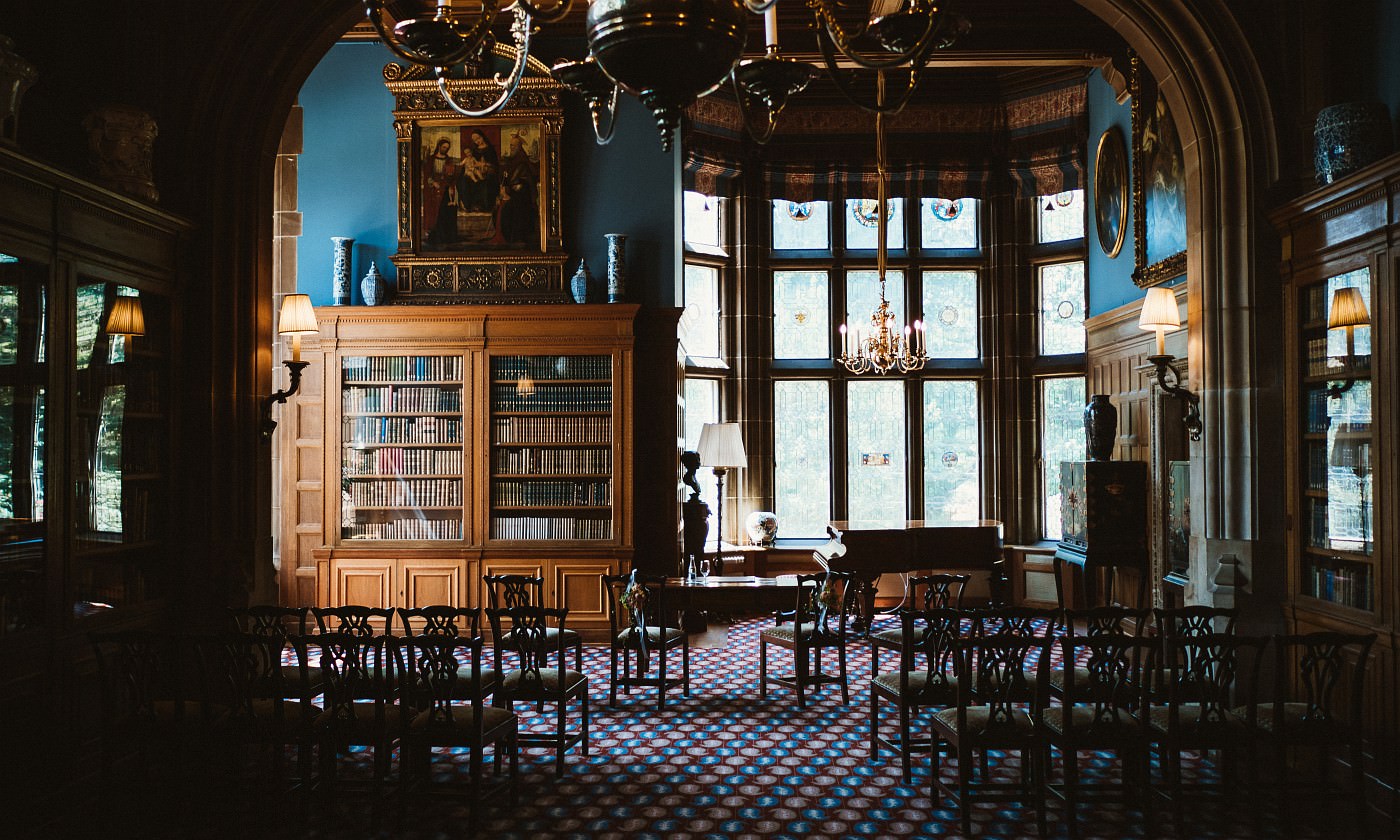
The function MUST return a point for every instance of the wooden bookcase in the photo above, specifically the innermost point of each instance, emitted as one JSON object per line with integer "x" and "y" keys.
{"x": 1340, "y": 415}
{"x": 460, "y": 441}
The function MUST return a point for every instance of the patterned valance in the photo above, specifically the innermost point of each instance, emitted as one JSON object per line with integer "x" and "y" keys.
{"x": 1033, "y": 144}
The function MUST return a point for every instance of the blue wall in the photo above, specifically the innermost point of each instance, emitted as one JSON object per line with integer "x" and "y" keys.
{"x": 1388, "y": 60}
{"x": 346, "y": 182}
{"x": 1110, "y": 280}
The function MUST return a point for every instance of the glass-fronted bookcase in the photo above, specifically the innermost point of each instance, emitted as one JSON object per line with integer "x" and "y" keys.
{"x": 469, "y": 440}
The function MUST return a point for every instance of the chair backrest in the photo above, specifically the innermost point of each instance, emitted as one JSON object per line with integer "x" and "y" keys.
{"x": 994, "y": 672}
{"x": 1015, "y": 621}
{"x": 530, "y": 639}
{"x": 507, "y": 591}
{"x": 1194, "y": 621}
{"x": 353, "y": 667}
{"x": 139, "y": 668}
{"x": 940, "y": 591}
{"x": 1326, "y": 672}
{"x": 354, "y": 619}
{"x": 934, "y": 634}
{"x": 270, "y": 620}
{"x": 635, "y": 600}
{"x": 1112, "y": 620}
{"x": 1204, "y": 671}
{"x": 430, "y": 676}
{"x": 826, "y": 600}
{"x": 1106, "y": 671}
{"x": 440, "y": 621}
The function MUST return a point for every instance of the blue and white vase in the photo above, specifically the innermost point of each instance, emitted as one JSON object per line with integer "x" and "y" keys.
{"x": 580, "y": 283}
{"x": 372, "y": 287}
{"x": 340, "y": 270}
{"x": 1348, "y": 137}
{"x": 617, "y": 266}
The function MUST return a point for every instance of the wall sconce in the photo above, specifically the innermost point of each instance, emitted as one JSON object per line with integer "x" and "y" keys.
{"x": 721, "y": 448}
{"x": 1159, "y": 313}
{"x": 127, "y": 320}
{"x": 1348, "y": 311}
{"x": 296, "y": 319}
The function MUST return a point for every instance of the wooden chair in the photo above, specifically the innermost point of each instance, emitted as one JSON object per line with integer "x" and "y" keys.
{"x": 1202, "y": 685}
{"x": 359, "y": 702}
{"x": 928, "y": 592}
{"x": 1100, "y": 621}
{"x": 436, "y": 672}
{"x": 353, "y": 619}
{"x": 932, "y": 634}
{"x": 825, "y": 604}
{"x": 1317, "y": 705}
{"x": 639, "y": 627}
{"x": 452, "y": 622}
{"x": 505, "y": 592}
{"x": 268, "y": 709}
{"x": 1102, "y": 708}
{"x": 278, "y": 624}
{"x": 1015, "y": 621}
{"x": 995, "y": 680}
{"x": 534, "y": 681}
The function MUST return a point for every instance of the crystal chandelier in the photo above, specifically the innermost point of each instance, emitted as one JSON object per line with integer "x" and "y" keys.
{"x": 886, "y": 346}
{"x": 668, "y": 53}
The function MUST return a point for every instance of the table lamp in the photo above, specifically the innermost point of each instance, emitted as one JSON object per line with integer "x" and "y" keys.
{"x": 721, "y": 449}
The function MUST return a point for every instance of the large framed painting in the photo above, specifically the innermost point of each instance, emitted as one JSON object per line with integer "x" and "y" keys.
{"x": 1111, "y": 190}
{"x": 478, "y": 197}
{"x": 1159, "y": 186}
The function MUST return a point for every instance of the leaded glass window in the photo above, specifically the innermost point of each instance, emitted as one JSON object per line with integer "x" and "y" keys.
{"x": 952, "y": 452}
{"x": 700, "y": 319}
{"x": 801, "y": 225}
{"x": 702, "y": 221}
{"x": 863, "y": 296}
{"x": 948, "y": 223}
{"x": 1061, "y": 308}
{"x": 950, "y": 314}
{"x": 1060, "y": 216}
{"x": 862, "y": 219}
{"x": 1061, "y": 439}
{"x": 701, "y": 407}
{"x": 876, "y": 455}
{"x": 802, "y": 459}
{"x": 801, "y": 315}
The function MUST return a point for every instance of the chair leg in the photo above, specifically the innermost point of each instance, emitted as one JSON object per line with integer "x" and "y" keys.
{"x": 841, "y": 665}
{"x": 563, "y": 705}
{"x": 578, "y": 656}
{"x": 584, "y": 733}
{"x": 1070, "y": 759}
{"x": 612, "y": 675}
{"x": 906, "y": 772}
{"x": 685, "y": 665}
{"x": 661, "y": 676}
{"x": 874, "y": 724}
{"x": 965, "y": 788}
{"x": 762, "y": 669}
{"x": 800, "y": 671}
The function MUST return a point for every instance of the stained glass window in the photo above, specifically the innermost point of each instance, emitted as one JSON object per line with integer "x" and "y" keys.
{"x": 863, "y": 295}
{"x": 700, "y": 319}
{"x": 801, "y": 315}
{"x": 801, "y": 226}
{"x": 701, "y": 407}
{"x": 862, "y": 217}
{"x": 952, "y": 455}
{"x": 950, "y": 314}
{"x": 948, "y": 223}
{"x": 1061, "y": 216}
{"x": 702, "y": 220}
{"x": 875, "y": 451}
{"x": 1061, "y": 439}
{"x": 802, "y": 460}
{"x": 1062, "y": 308}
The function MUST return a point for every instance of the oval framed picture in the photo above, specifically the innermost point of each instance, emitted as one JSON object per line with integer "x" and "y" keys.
{"x": 1111, "y": 190}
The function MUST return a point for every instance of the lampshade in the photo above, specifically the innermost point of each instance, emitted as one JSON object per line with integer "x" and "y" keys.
{"x": 126, "y": 317}
{"x": 1348, "y": 309}
{"x": 721, "y": 446}
{"x": 297, "y": 316}
{"x": 1159, "y": 310}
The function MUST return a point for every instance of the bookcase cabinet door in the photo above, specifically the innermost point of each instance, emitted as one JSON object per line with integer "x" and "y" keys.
{"x": 429, "y": 582}
{"x": 366, "y": 583}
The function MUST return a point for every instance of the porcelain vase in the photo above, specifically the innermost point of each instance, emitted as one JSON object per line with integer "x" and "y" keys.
{"x": 340, "y": 270}
{"x": 1100, "y": 427}
{"x": 1348, "y": 136}
{"x": 617, "y": 266}
{"x": 580, "y": 283}
{"x": 372, "y": 286}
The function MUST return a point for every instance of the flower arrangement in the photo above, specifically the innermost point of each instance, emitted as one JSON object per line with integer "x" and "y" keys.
{"x": 633, "y": 597}
{"x": 823, "y": 598}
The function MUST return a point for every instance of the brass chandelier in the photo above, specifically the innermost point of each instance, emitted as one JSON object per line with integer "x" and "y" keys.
{"x": 668, "y": 53}
{"x": 886, "y": 347}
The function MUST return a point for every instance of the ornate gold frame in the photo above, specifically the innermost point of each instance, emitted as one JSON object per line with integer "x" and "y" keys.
{"x": 484, "y": 273}
{"x": 1174, "y": 266}
{"x": 1111, "y": 139}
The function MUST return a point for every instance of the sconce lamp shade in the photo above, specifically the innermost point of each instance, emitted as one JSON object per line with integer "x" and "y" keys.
{"x": 1348, "y": 309}
{"x": 721, "y": 446}
{"x": 297, "y": 316}
{"x": 1159, "y": 310}
{"x": 126, "y": 317}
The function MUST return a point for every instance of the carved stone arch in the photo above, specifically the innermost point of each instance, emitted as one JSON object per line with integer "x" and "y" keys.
{"x": 1207, "y": 72}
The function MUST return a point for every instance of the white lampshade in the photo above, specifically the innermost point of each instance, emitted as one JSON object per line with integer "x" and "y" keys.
{"x": 297, "y": 316}
{"x": 1348, "y": 309}
{"x": 1159, "y": 310}
{"x": 126, "y": 317}
{"x": 721, "y": 446}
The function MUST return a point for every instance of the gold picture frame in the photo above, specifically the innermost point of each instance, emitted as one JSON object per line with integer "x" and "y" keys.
{"x": 1111, "y": 191}
{"x": 1159, "y": 185}
{"x": 479, "y": 213}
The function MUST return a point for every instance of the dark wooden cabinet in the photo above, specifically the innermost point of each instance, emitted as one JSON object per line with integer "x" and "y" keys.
{"x": 1103, "y": 519}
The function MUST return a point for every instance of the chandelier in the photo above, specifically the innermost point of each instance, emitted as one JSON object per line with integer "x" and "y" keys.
{"x": 886, "y": 346}
{"x": 668, "y": 53}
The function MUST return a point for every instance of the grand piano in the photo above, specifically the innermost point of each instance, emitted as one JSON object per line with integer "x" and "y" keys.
{"x": 871, "y": 548}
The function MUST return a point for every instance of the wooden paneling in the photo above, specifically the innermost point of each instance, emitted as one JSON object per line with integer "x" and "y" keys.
{"x": 426, "y": 582}
{"x": 578, "y": 586}
{"x": 368, "y": 583}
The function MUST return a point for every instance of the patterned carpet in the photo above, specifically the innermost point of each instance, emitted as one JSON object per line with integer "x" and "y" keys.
{"x": 719, "y": 764}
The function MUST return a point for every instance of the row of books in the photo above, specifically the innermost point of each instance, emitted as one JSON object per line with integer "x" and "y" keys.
{"x": 406, "y": 492}
{"x": 409, "y": 528}
{"x": 1317, "y": 466}
{"x": 1321, "y": 364}
{"x": 581, "y": 430}
{"x": 1349, "y": 584}
{"x": 401, "y": 398}
{"x": 552, "y": 367}
{"x": 363, "y": 430}
{"x": 557, "y": 493}
{"x": 1315, "y": 303}
{"x": 1319, "y": 417}
{"x": 393, "y": 460}
{"x": 401, "y": 368}
{"x": 552, "y": 398}
{"x": 549, "y": 528}
{"x": 1317, "y": 523}
{"x": 550, "y": 461}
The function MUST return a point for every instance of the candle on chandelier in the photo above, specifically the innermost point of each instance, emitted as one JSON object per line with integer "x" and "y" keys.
{"x": 845, "y": 341}
{"x": 919, "y": 327}
{"x": 770, "y": 26}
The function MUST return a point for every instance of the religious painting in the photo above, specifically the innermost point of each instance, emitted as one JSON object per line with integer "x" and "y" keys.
{"x": 478, "y": 206}
{"x": 1178, "y": 524}
{"x": 1159, "y": 186}
{"x": 1111, "y": 190}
